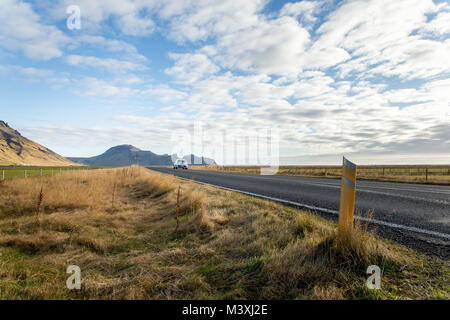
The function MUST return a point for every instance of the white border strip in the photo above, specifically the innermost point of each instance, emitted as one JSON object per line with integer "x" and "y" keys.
{"x": 334, "y": 212}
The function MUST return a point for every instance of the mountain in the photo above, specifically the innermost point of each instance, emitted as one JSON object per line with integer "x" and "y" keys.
{"x": 18, "y": 150}
{"x": 125, "y": 155}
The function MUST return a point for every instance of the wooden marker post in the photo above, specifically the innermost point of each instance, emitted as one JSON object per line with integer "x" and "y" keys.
{"x": 347, "y": 202}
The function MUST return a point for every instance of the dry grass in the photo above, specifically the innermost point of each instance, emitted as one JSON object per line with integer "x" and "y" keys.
{"x": 437, "y": 174}
{"x": 227, "y": 245}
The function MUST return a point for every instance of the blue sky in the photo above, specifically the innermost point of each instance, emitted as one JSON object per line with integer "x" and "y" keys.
{"x": 369, "y": 79}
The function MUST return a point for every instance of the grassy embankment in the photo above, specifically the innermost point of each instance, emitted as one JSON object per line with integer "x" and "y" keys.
{"x": 437, "y": 174}
{"x": 12, "y": 172}
{"x": 118, "y": 226}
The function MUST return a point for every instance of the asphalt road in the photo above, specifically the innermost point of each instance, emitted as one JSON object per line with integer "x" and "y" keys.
{"x": 416, "y": 215}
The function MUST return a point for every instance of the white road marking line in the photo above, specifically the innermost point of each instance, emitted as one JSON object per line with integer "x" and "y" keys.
{"x": 385, "y": 194}
{"x": 387, "y": 188}
{"x": 406, "y": 189}
{"x": 335, "y": 212}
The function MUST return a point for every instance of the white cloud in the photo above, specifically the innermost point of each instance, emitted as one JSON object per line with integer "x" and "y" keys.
{"x": 194, "y": 20}
{"x": 239, "y": 67}
{"x": 220, "y": 92}
{"x": 416, "y": 59}
{"x": 321, "y": 58}
{"x": 132, "y": 24}
{"x": 112, "y": 45}
{"x": 125, "y": 87}
{"x": 373, "y": 24}
{"x": 112, "y": 65}
{"x": 92, "y": 141}
{"x": 380, "y": 33}
{"x": 440, "y": 25}
{"x": 304, "y": 10}
{"x": 32, "y": 72}
{"x": 21, "y": 29}
{"x": 93, "y": 87}
{"x": 190, "y": 67}
{"x": 272, "y": 47}
{"x": 165, "y": 93}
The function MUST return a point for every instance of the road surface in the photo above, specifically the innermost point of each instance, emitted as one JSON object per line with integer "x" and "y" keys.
{"x": 416, "y": 215}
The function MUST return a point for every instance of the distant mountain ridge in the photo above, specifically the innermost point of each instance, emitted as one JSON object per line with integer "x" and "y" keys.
{"x": 125, "y": 155}
{"x": 17, "y": 150}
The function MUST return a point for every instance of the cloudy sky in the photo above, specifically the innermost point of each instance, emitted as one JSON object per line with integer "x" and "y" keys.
{"x": 369, "y": 79}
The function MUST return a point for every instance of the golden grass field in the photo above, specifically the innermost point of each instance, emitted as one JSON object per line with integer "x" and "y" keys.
{"x": 119, "y": 227}
{"x": 432, "y": 174}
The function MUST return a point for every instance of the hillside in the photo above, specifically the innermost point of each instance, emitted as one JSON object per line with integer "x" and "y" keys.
{"x": 18, "y": 150}
{"x": 125, "y": 155}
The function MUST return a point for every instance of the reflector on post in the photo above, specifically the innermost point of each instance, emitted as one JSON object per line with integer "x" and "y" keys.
{"x": 348, "y": 191}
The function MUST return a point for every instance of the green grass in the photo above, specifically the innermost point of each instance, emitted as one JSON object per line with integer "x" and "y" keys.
{"x": 12, "y": 172}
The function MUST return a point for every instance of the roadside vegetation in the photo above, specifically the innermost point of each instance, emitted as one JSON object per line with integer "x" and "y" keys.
{"x": 12, "y": 172}
{"x": 431, "y": 174}
{"x": 120, "y": 227}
